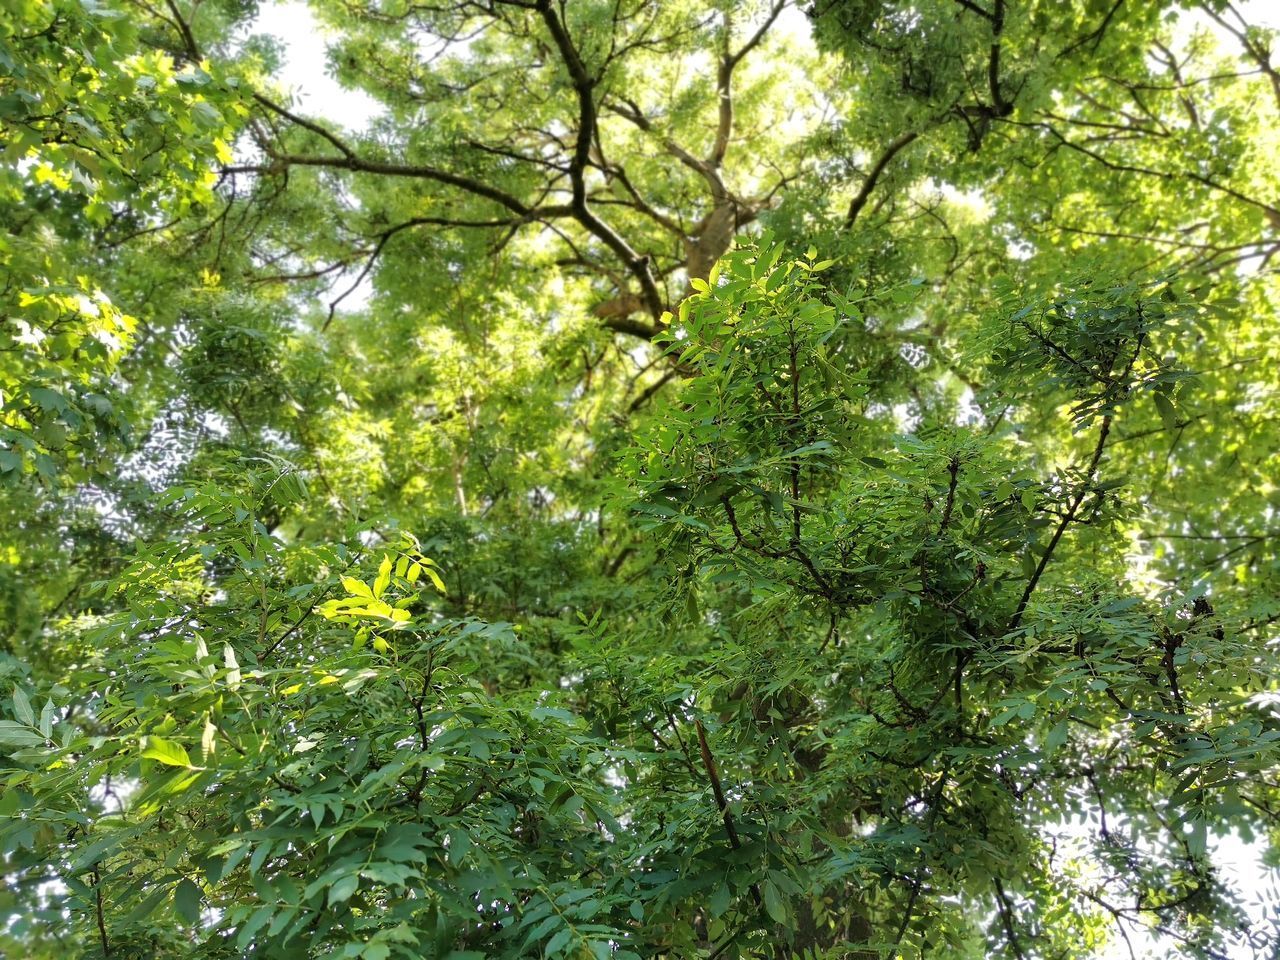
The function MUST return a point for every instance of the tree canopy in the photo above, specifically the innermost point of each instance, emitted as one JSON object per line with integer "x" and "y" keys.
{"x": 686, "y": 479}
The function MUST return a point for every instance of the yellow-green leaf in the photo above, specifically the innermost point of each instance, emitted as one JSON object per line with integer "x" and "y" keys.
{"x": 166, "y": 751}
{"x": 384, "y": 577}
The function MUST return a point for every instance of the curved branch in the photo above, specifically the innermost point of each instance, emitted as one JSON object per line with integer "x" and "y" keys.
{"x": 627, "y": 325}
{"x": 877, "y": 171}
{"x": 390, "y": 232}
{"x": 358, "y": 164}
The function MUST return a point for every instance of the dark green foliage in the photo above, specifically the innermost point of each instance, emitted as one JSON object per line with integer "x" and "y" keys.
{"x": 674, "y": 485}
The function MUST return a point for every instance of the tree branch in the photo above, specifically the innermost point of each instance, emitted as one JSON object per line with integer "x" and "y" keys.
{"x": 1066, "y": 521}
{"x": 724, "y": 81}
{"x": 895, "y": 147}
{"x": 584, "y": 87}
{"x": 1006, "y": 917}
{"x": 708, "y": 761}
{"x": 101, "y": 920}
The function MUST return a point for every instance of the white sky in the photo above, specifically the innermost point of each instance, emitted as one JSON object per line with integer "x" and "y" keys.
{"x": 305, "y": 72}
{"x": 306, "y": 67}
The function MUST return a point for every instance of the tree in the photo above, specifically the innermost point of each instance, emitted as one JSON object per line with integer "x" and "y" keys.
{"x": 801, "y": 483}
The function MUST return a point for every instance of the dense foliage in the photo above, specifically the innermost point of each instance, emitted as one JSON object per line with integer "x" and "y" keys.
{"x": 688, "y": 478}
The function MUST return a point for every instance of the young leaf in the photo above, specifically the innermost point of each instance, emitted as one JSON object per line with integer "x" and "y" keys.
{"x": 165, "y": 751}
{"x": 384, "y": 578}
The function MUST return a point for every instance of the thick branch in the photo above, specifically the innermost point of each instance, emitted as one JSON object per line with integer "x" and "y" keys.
{"x": 708, "y": 761}
{"x": 724, "y": 81}
{"x": 1006, "y": 917}
{"x": 415, "y": 171}
{"x": 974, "y": 8}
{"x": 1001, "y": 106}
{"x": 349, "y": 159}
{"x": 584, "y": 87}
{"x": 627, "y": 325}
{"x": 98, "y": 914}
{"x": 184, "y": 28}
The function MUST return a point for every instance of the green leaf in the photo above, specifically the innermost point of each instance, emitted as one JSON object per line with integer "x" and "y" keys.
{"x": 22, "y": 707}
{"x": 14, "y": 734}
{"x": 165, "y": 751}
{"x": 232, "y": 666}
{"x": 434, "y": 577}
{"x": 1056, "y": 737}
{"x": 256, "y": 922}
{"x": 560, "y": 940}
{"x": 459, "y": 843}
{"x": 720, "y": 900}
{"x": 357, "y": 588}
{"x": 774, "y": 905}
{"x": 48, "y": 399}
{"x": 87, "y": 856}
{"x": 1005, "y": 715}
{"x": 1028, "y": 562}
{"x": 1197, "y": 837}
{"x": 342, "y": 890}
{"x": 260, "y": 855}
{"x": 147, "y": 906}
{"x": 186, "y": 901}
{"x": 383, "y": 579}
{"x": 1164, "y": 406}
